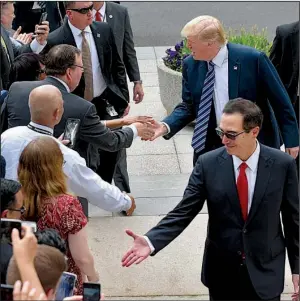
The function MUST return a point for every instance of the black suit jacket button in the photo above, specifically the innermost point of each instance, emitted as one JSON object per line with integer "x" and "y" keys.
{"x": 245, "y": 231}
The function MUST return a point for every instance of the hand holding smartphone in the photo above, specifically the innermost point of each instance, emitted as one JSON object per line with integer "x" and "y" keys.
{"x": 91, "y": 291}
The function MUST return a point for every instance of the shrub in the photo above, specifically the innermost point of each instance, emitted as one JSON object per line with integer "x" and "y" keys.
{"x": 253, "y": 38}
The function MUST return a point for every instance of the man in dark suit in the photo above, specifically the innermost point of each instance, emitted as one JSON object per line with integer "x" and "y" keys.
{"x": 218, "y": 71}
{"x": 118, "y": 19}
{"x": 64, "y": 69}
{"x": 104, "y": 80}
{"x": 285, "y": 57}
{"x": 247, "y": 186}
{"x": 8, "y": 50}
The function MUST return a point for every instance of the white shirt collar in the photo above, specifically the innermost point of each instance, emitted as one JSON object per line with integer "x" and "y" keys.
{"x": 76, "y": 31}
{"x": 101, "y": 10}
{"x": 252, "y": 161}
{"x": 61, "y": 81}
{"x": 42, "y": 127}
{"x": 222, "y": 55}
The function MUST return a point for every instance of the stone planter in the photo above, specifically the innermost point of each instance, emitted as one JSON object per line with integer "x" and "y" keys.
{"x": 170, "y": 83}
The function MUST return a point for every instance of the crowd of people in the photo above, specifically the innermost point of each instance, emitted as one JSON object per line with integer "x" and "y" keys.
{"x": 244, "y": 105}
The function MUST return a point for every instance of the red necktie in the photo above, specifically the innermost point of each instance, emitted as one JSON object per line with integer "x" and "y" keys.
{"x": 98, "y": 16}
{"x": 242, "y": 187}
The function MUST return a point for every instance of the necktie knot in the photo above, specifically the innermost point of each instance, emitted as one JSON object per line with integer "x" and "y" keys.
{"x": 243, "y": 166}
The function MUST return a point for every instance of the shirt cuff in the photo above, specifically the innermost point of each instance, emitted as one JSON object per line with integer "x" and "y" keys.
{"x": 134, "y": 129}
{"x": 36, "y": 47}
{"x": 103, "y": 122}
{"x": 149, "y": 244}
{"x": 167, "y": 126}
{"x": 129, "y": 202}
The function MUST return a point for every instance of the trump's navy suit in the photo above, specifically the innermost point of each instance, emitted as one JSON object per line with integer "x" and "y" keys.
{"x": 252, "y": 76}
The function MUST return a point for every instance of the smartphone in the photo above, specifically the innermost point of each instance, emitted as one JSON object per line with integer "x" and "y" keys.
{"x": 65, "y": 286}
{"x": 43, "y": 18}
{"x": 71, "y": 131}
{"x": 6, "y": 292}
{"x": 7, "y": 225}
{"x": 32, "y": 225}
{"x": 91, "y": 291}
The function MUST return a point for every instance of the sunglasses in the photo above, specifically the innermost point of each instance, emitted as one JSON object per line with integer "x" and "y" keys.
{"x": 22, "y": 210}
{"x": 231, "y": 136}
{"x": 82, "y": 11}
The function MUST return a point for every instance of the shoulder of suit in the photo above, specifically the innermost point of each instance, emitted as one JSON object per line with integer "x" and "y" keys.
{"x": 116, "y": 7}
{"x": 287, "y": 29}
{"x": 276, "y": 154}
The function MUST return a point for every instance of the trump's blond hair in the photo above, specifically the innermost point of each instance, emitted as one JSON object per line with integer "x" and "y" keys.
{"x": 206, "y": 29}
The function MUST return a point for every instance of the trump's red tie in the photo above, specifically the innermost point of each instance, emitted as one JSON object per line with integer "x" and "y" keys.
{"x": 242, "y": 187}
{"x": 98, "y": 16}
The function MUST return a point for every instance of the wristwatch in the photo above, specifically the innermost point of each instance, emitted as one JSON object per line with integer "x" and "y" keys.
{"x": 138, "y": 82}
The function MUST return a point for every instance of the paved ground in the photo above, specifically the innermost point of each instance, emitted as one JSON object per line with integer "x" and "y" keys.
{"x": 160, "y": 23}
{"x": 159, "y": 172}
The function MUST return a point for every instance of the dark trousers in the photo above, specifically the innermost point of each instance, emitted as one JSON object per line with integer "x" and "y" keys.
{"x": 108, "y": 160}
{"x": 121, "y": 177}
{"x": 241, "y": 288}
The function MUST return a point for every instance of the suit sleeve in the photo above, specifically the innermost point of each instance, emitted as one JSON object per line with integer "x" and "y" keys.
{"x": 20, "y": 50}
{"x": 181, "y": 216}
{"x": 290, "y": 216}
{"x": 184, "y": 112}
{"x": 129, "y": 54}
{"x": 276, "y": 51}
{"x": 280, "y": 102}
{"x": 94, "y": 131}
{"x": 118, "y": 68}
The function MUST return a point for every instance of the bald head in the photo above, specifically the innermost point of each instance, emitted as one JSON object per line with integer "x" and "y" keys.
{"x": 46, "y": 105}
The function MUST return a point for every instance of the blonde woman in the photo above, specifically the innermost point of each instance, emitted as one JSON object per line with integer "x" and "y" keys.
{"x": 48, "y": 203}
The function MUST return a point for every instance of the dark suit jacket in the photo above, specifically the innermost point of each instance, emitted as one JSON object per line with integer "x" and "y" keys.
{"x": 91, "y": 132}
{"x": 252, "y": 76}
{"x": 261, "y": 237}
{"x": 285, "y": 57}
{"x": 117, "y": 17}
{"x": 5, "y": 62}
{"x": 112, "y": 67}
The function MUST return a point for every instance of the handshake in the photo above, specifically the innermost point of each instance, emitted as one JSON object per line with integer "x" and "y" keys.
{"x": 148, "y": 129}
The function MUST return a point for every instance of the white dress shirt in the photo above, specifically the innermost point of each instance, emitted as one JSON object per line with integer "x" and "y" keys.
{"x": 99, "y": 84}
{"x": 251, "y": 173}
{"x": 101, "y": 11}
{"x": 221, "y": 95}
{"x": 81, "y": 180}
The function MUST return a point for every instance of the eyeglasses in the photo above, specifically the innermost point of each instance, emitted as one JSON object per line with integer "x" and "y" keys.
{"x": 82, "y": 11}
{"x": 78, "y": 66}
{"x": 231, "y": 136}
{"x": 22, "y": 210}
{"x": 42, "y": 71}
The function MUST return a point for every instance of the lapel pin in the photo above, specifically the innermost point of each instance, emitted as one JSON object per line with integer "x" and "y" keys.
{"x": 110, "y": 16}
{"x": 234, "y": 67}
{"x": 98, "y": 35}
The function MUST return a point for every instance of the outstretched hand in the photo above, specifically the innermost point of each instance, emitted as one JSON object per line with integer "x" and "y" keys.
{"x": 138, "y": 252}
